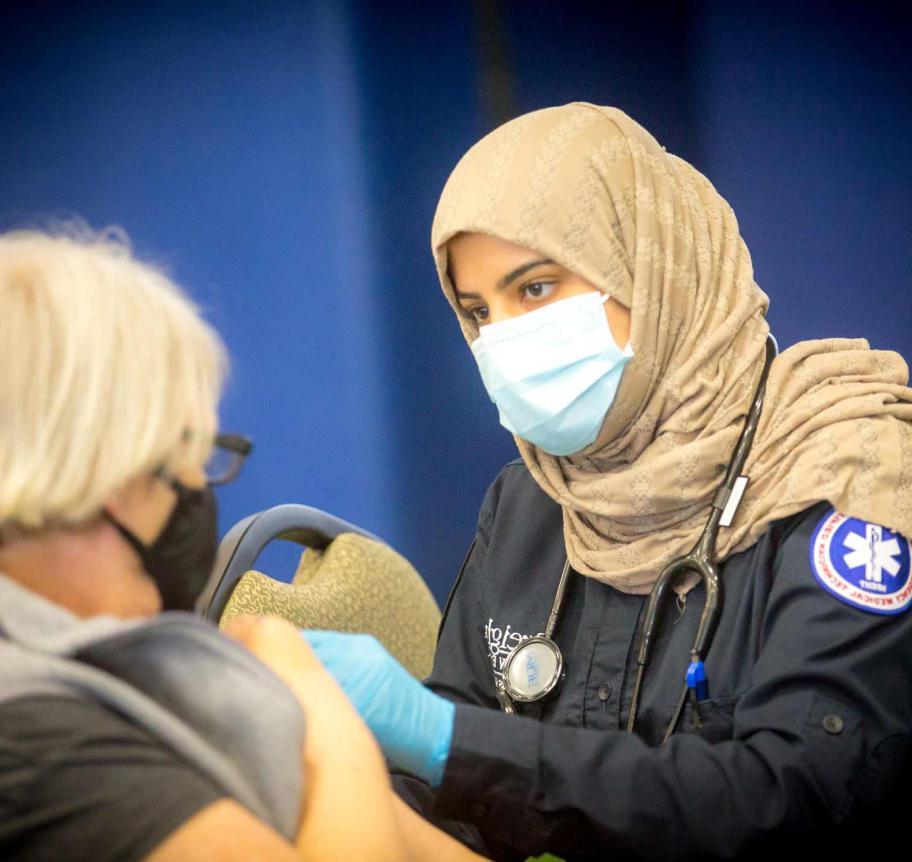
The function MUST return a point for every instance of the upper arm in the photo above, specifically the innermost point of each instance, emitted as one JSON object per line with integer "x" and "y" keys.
{"x": 226, "y": 831}
{"x": 74, "y": 775}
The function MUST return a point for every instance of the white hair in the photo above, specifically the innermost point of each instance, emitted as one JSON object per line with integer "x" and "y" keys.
{"x": 107, "y": 372}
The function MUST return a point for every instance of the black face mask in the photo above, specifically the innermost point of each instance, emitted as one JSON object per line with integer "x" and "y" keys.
{"x": 181, "y": 558}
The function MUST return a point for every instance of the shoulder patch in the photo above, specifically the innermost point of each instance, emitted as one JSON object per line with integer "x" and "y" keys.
{"x": 864, "y": 565}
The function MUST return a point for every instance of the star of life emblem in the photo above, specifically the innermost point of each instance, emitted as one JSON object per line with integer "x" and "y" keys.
{"x": 864, "y": 565}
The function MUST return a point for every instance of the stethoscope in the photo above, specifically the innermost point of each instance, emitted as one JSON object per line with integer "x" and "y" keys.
{"x": 534, "y": 669}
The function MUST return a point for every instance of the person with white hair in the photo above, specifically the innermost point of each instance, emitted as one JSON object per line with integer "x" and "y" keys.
{"x": 128, "y": 733}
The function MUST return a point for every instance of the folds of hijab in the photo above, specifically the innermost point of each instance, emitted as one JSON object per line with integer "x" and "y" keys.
{"x": 592, "y": 190}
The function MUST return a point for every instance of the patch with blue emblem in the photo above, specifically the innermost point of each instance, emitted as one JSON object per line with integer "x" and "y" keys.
{"x": 863, "y": 564}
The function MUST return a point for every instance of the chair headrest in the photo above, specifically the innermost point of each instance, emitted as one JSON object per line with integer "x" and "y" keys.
{"x": 355, "y": 584}
{"x": 242, "y": 544}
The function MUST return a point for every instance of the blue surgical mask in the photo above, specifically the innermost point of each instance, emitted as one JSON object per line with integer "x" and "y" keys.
{"x": 554, "y": 372}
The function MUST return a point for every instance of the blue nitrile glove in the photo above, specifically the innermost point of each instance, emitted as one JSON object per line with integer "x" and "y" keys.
{"x": 413, "y": 726}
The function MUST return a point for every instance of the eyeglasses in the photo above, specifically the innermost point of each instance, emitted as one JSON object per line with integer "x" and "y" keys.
{"x": 229, "y": 451}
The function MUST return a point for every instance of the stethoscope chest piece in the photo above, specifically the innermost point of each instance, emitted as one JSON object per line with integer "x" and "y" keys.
{"x": 533, "y": 669}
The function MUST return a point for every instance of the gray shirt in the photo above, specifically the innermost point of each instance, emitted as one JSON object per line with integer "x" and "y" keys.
{"x": 175, "y": 677}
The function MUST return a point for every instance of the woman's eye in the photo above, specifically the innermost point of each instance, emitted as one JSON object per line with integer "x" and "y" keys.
{"x": 479, "y": 313}
{"x": 538, "y": 290}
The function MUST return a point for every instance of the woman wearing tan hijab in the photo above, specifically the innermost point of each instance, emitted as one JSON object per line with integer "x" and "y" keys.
{"x": 609, "y": 301}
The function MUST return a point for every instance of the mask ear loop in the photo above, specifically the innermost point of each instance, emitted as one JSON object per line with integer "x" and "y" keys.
{"x": 627, "y": 349}
{"x": 131, "y": 538}
{"x": 128, "y": 535}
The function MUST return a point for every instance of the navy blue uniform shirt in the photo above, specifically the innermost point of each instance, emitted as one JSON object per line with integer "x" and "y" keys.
{"x": 802, "y": 740}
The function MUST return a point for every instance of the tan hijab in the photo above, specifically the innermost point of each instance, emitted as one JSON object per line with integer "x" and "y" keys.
{"x": 593, "y": 191}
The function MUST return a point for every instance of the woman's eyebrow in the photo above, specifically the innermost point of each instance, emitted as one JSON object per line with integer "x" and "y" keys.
{"x": 521, "y": 270}
{"x": 506, "y": 280}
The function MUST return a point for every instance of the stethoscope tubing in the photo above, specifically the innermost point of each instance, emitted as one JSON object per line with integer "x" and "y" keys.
{"x": 701, "y": 560}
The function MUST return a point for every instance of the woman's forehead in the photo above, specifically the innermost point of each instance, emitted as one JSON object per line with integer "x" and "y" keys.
{"x": 479, "y": 253}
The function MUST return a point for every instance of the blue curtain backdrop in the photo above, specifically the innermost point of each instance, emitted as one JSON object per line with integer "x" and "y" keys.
{"x": 282, "y": 161}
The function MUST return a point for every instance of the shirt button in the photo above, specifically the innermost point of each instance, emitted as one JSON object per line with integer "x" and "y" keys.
{"x": 604, "y": 692}
{"x": 477, "y": 811}
{"x": 832, "y": 724}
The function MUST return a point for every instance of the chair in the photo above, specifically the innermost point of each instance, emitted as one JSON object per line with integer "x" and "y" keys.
{"x": 348, "y": 580}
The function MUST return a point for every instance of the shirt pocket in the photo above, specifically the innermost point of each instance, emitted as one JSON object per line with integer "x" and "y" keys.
{"x": 716, "y": 718}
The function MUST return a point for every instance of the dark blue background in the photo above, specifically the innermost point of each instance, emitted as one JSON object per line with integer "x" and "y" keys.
{"x": 283, "y": 160}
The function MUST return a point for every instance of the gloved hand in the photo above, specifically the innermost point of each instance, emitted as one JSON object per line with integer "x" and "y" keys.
{"x": 413, "y": 726}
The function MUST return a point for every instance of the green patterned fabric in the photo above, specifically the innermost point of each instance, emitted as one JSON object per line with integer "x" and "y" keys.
{"x": 355, "y": 585}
